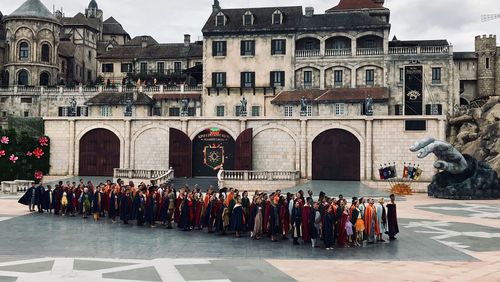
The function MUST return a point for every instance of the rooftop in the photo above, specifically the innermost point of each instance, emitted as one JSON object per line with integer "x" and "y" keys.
{"x": 343, "y": 95}
{"x": 33, "y": 9}
{"x": 119, "y": 99}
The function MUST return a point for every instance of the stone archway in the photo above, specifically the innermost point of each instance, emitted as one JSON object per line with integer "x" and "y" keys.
{"x": 99, "y": 153}
{"x": 336, "y": 156}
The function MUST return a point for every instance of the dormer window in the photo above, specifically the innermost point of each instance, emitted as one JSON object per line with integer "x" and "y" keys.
{"x": 248, "y": 18}
{"x": 277, "y": 17}
{"x": 220, "y": 19}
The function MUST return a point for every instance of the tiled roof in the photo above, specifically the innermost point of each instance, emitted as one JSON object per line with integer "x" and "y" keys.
{"x": 112, "y": 26}
{"x": 137, "y": 41}
{"x": 464, "y": 55}
{"x": 35, "y": 9}
{"x": 159, "y": 51}
{"x": 412, "y": 43}
{"x": 356, "y": 5}
{"x": 344, "y": 95}
{"x": 177, "y": 96}
{"x": 81, "y": 20}
{"x": 293, "y": 20}
{"x": 67, "y": 49}
{"x": 262, "y": 20}
{"x": 119, "y": 99}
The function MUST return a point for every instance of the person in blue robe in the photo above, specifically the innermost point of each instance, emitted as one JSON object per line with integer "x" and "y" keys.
{"x": 237, "y": 222}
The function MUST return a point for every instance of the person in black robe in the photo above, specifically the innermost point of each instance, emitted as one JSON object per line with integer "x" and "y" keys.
{"x": 274, "y": 221}
{"x": 392, "y": 219}
{"x": 135, "y": 206}
{"x": 297, "y": 222}
{"x": 113, "y": 205}
{"x": 184, "y": 218}
{"x": 28, "y": 199}
{"x": 125, "y": 207}
{"x": 47, "y": 199}
{"x": 97, "y": 204}
{"x": 141, "y": 206}
{"x": 164, "y": 208}
{"x": 71, "y": 206}
{"x": 237, "y": 222}
{"x": 328, "y": 228}
{"x": 149, "y": 214}
{"x": 56, "y": 198}
{"x": 39, "y": 191}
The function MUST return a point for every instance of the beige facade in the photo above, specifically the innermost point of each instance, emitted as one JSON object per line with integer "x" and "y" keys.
{"x": 144, "y": 141}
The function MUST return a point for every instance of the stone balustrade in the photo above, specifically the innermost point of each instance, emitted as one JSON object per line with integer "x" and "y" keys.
{"x": 412, "y": 50}
{"x": 16, "y": 186}
{"x": 144, "y": 174}
{"x": 252, "y": 180}
{"x": 338, "y": 52}
{"x": 99, "y": 89}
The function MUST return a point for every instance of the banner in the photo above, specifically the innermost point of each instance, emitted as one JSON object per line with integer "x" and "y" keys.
{"x": 413, "y": 90}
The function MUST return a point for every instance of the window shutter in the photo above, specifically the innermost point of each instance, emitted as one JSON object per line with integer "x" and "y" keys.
{"x": 224, "y": 79}
{"x": 224, "y": 45}
{"x": 60, "y": 111}
{"x": 282, "y": 77}
{"x": 242, "y": 48}
{"x": 214, "y": 80}
{"x": 79, "y": 111}
{"x": 271, "y": 79}
{"x": 273, "y": 45}
{"x": 397, "y": 110}
{"x": 253, "y": 47}
{"x": 242, "y": 79}
{"x": 284, "y": 46}
{"x": 253, "y": 79}
{"x": 214, "y": 48}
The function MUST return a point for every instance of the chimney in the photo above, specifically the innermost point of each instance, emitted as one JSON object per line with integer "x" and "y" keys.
{"x": 309, "y": 11}
{"x": 187, "y": 39}
{"x": 216, "y": 7}
{"x": 135, "y": 95}
{"x": 144, "y": 42}
{"x": 380, "y": 2}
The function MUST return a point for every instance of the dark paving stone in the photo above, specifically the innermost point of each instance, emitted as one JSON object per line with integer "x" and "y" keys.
{"x": 91, "y": 265}
{"x": 7, "y": 279}
{"x": 72, "y": 237}
{"x": 464, "y": 210}
{"x": 140, "y": 274}
{"x": 4, "y": 258}
{"x": 348, "y": 189}
{"x": 234, "y": 270}
{"x": 33, "y": 267}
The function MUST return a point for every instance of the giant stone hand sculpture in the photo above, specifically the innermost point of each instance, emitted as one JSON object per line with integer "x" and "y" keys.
{"x": 462, "y": 176}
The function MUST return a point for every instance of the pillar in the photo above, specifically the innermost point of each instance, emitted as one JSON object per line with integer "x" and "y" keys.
{"x": 368, "y": 166}
{"x": 127, "y": 145}
{"x": 72, "y": 166}
{"x": 303, "y": 148}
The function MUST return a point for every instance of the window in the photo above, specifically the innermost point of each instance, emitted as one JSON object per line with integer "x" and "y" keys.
{"x": 487, "y": 63}
{"x": 277, "y": 79}
{"x": 174, "y": 111}
{"x": 63, "y": 66}
{"x": 22, "y": 78}
{"x": 45, "y": 53}
{"x": 436, "y": 75}
{"x": 219, "y": 79}
{"x": 369, "y": 43}
{"x": 219, "y": 48}
{"x": 90, "y": 55}
{"x": 309, "y": 111}
{"x": 433, "y": 109}
{"x": 191, "y": 111}
{"x": 401, "y": 75}
{"x": 160, "y": 67}
{"x": 370, "y": 77}
{"x": 237, "y": 111}
{"x": 4, "y": 114}
{"x": 308, "y": 75}
{"x": 220, "y": 19}
{"x": 248, "y": 18}
{"x": 3, "y": 99}
{"x": 338, "y": 78}
{"x": 126, "y": 68}
{"x": 278, "y": 47}
{"x": 247, "y": 79}
{"x": 220, "y": 111}
{"x": 288, "y": 111}
{"x": 144, "y": 67}
{"x": 26, "y": 114}
{"x": 105, "y": 111}
{"x": 255, "y": 111}
{"x": 177, "y": 67}
{"x": 277, "y": 17}
{"x": 340, "y": 109}
{"x": 106, "y": 68}
{"x": 198, "y": 63}
{"x": 398, "y": 110}
{"x": 26, "y": 100}
{"x": 247, "y": 47}
{"x": 24, "y": 51}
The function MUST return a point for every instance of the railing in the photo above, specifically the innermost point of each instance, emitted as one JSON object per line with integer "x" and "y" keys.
{"x": 338, "y": 52}
{"x": 403, "y": 50}
{"x": 369, "y": 51}
{"x": 16, "y": 186}
{"x": 254, "y": 175}
{"x": 434, "y": 49}
{"x": 95, "y": 89}
{"x": 307, "y": 53}
{"x": 154, "y": 175}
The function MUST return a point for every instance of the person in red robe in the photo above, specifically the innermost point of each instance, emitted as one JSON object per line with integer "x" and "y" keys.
{"x": 198, "y": 210}
{"x": 371, "y": 222}
{"x": 267, "y": 214}
{"x": 284, "y": 217}
{"x": 343, "y": 238}
{"x": 306, "y": 215}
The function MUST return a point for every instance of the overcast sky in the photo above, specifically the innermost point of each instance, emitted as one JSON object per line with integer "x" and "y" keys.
{"x": 167, "y": 20}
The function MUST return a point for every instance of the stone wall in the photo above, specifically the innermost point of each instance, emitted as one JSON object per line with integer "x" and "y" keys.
{"x": 279, "y": 144}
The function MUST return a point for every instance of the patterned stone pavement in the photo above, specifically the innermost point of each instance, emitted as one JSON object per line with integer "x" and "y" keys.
{"x": 451, "y": 241}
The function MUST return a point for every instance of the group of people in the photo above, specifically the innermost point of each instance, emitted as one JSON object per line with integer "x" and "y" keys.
{"x": 307, "y": 219}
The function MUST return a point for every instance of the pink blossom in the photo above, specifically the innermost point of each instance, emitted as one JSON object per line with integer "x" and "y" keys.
{"x": 38, "y": 153}
{"x": 4, "y": 140}
{"x": 2, "y": 153}
{"x": 44, "y": 141}
{"x": 38, "y": 174}
{"x": 13, "y": 158}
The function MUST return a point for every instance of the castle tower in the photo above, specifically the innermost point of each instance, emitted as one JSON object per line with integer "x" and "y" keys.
{"x": 486, "y": 47}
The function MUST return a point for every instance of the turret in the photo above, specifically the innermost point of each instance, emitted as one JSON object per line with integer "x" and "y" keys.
{"x": 485, "y": 46}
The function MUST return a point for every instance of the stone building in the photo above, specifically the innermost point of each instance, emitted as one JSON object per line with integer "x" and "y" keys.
{"x": 125, "y": 104}
{"x": 478, "y": 73}
{"x": 274, "y": 56}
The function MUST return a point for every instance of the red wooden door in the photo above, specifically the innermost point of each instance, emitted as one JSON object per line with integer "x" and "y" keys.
{"x": 180, "y": 153}
{"x": 336, "y": 156}
{"x": 243, "y": 151}
{"x": 99, "y": 153}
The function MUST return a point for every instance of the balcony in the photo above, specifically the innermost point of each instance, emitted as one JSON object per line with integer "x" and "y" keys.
{"x": 369, "y": 51}
{"x": 420, "y": 50}
{"x": 338, "y": 52}
{"x": 308, "y": 53}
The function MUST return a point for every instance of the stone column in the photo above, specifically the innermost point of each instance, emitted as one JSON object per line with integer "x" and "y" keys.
{"x": 127, "y": 145}
{"x": 71, "y": 154}
{"x": 322, "y": 78}
{"x": 368, "y": 167}
{"x": 303, "y": 149}
{"x": 243, "y": 124}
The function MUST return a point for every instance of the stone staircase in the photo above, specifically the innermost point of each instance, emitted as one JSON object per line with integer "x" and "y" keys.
{"x": 203, "y": 182}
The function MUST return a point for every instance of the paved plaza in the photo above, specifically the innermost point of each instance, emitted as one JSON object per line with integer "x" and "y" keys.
{"x": 452, "y": 241}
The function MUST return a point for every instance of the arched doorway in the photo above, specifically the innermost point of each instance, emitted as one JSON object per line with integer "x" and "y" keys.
{"x": 99, "y": 153}
{"x": 336, "y": 156}
{"x": 213, "y": 148}
{"x": 44, "y": 79}
{"x": 180, "y": 156}
{"x": 22, "y": 78}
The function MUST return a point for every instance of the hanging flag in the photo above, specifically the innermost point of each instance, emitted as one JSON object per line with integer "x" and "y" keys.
{"x": 394, "y": 173}
{"x": 417, "y": 173}
{"x": 386, "y": 172}
{"x": 381, "y": 173}
{"x": 411, "y": 169}
{"x": 405, "y": 171}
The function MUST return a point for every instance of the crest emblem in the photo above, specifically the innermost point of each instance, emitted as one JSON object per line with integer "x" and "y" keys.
{"x": 413, "y": 95}
{"x": 213, "y": 156}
